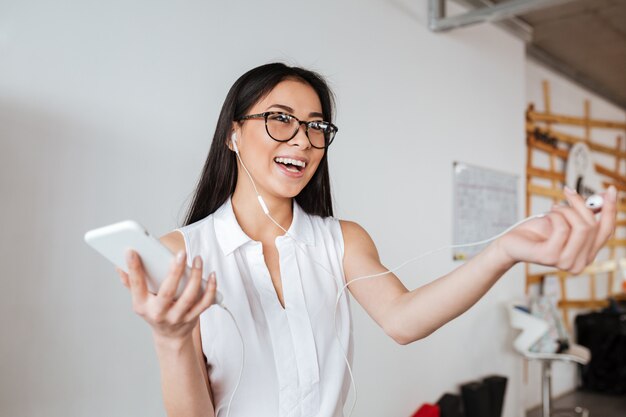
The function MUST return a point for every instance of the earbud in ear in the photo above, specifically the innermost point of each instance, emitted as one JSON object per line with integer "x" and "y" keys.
{"x": 233, "y": 140}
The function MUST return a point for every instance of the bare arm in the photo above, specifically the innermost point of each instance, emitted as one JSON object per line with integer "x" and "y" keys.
{"x": 568, "y": 238}
{"x": 176, "y": 333}
{"x": 406, "y": 315}
{"x": 184, "y": 380}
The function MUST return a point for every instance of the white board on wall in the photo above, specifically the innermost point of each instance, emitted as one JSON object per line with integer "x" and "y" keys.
{"x": 485, "y": 204}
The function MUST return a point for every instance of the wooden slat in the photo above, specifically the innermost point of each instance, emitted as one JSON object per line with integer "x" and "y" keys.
{"x": 564, "y": 309}
{"x": 544, "y": 191}
{"x": 611, "y": 174}
{"x": 529, "y": 164}
{"x": 575, "y": 121}
{"x": 552, "y": 193}
{"x": 619, "y": 187}
{"x": 530, "y": 145}
{"x": 534, "y": 278}
{"x": 605, "y": 149}
{"x": 611, "y": 274}
{"x": 616, "y": 242}
{"x": 587, "y": 137}
{"x": 571, "y": 139}
{"x": 545, "y": 87}
{"x": 544, "y": 147}
{"x": 589, "y": 303}
{"x": 594, "y": 304}
{"x": 592, "y": 286}
{"x": 618, "y": 147}
{"x": 553, "y": 181}
{"x": 587, "y": 118}
{"x": 545, "y": 173}
{"x": 612, "y": 249}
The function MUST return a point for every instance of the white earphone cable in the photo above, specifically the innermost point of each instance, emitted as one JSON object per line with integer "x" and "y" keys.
{"x": 352, "y": 281}
{"x": 243, "y": 358}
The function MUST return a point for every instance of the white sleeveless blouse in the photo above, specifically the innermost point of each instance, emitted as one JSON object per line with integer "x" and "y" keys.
{"x": 294, "y": 365}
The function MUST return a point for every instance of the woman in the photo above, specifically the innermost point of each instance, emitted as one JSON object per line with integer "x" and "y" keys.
{"x": 281, "y": 290}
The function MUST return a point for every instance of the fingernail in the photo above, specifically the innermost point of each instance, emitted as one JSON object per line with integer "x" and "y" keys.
{"x": 130, "y": 255}
{"x": 197, "y": 262}
{"x": 212, "y": 278}
{"x": 612, "y": 193}
{"x": 569, "y": 190}
{"x": 180, "y": 257}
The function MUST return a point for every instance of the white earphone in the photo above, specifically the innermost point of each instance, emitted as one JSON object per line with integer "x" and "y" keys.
{"x": 266, "y": 210}
{"x": 233, "y": 140}
{"x": 594, "y": 202}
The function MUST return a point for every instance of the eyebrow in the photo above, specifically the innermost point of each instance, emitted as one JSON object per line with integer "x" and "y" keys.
{"x": 290, "y": 110}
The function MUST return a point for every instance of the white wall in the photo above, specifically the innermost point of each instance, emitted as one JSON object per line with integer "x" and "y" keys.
{"x": 567, "y": 98}
{"x": 106, "y": 113}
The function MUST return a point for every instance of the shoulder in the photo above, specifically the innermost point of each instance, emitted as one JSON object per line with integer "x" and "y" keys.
{"x": 352, "y": 230}
{"x": 174, "y": 241}
{"x": 356, "y": 239}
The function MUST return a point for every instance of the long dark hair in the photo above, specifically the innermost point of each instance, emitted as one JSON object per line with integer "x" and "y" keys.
{"x": 219, "y": 175}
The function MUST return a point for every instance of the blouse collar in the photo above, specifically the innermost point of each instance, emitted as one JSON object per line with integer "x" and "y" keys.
{"x": 230, "y": 236}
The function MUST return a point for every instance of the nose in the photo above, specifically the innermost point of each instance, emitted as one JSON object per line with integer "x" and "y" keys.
{"x": 301, "y": 138}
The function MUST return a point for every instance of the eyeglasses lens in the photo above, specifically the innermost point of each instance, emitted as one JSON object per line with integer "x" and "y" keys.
{"x": 283, "y": 127}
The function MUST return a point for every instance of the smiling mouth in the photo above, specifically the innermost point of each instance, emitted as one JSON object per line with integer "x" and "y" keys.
{"x": 291, "y": 165}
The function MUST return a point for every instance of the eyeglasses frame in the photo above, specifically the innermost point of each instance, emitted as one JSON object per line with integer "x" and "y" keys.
{"x": 266, "y": 114}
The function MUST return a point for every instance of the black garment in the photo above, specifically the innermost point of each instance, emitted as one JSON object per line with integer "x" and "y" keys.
{"x": 604, "y": 333}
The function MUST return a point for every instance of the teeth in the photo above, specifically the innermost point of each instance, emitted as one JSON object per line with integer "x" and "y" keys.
{"x": 291, "y": 161}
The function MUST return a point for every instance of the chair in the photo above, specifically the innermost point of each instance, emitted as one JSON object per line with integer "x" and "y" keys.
{"x": 533, "y": 328}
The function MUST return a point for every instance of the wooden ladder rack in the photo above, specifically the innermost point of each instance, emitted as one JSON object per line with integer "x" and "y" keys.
{"x": 542, "y": 138}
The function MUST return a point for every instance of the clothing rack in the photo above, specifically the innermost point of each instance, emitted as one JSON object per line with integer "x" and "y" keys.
{"x": 546, "y": 182}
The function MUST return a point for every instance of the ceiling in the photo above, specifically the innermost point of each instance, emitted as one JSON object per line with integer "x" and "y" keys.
{"x": 584, "y": 40}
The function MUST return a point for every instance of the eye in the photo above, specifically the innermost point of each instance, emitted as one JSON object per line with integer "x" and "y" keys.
{"x": 281, "y": 117}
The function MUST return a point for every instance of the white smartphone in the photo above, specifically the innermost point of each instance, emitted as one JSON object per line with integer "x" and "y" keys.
{"x": 114, "y": 240}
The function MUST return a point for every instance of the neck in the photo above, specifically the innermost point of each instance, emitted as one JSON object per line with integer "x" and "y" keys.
{"x": 253, "y": 221}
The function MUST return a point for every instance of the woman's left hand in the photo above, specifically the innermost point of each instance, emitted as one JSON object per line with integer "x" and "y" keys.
{"x": 567, "y": 238}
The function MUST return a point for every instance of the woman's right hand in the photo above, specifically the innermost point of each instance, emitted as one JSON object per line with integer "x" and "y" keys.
{"x": 171, "y": 319}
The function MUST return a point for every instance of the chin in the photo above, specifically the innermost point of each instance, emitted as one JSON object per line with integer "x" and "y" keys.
{"x": 288, "y": 192}
{"x": 291, "y": 193}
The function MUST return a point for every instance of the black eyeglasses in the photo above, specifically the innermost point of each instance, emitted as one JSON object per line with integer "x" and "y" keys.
{"x": 282, "y": 127}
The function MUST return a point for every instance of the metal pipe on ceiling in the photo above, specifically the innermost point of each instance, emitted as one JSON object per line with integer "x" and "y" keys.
{"x": 438, "y": 22}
